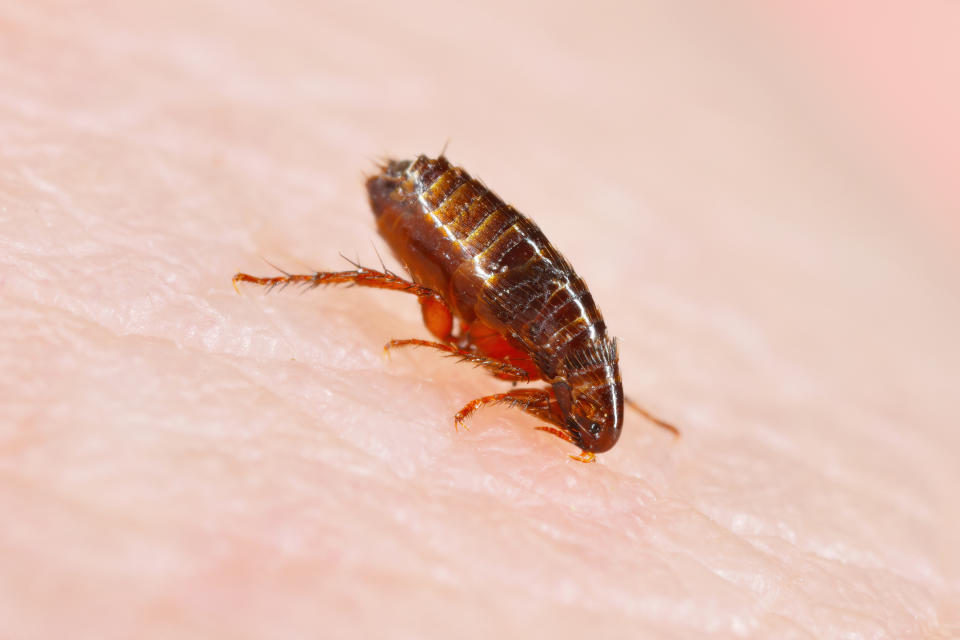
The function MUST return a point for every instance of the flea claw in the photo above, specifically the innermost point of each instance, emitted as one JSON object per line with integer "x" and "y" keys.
{"x": 585, "y": 456}
{"x": 235, "y": 287}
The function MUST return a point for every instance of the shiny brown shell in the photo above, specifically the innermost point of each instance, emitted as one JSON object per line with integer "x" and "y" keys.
{"x": 516, "y": 297}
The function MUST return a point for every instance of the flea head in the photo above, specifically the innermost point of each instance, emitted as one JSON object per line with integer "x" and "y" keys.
{"x": 591, "y": 404}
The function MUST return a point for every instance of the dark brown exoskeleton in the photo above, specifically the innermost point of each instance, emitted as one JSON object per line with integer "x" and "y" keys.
{"x": 521, "y": 310}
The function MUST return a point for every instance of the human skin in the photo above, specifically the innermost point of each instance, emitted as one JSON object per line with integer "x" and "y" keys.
{"x": 178, "y": 460}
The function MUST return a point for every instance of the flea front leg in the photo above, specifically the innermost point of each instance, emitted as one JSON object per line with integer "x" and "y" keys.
{"x": 536, "y": 402}
{"x": 585, "y": 456}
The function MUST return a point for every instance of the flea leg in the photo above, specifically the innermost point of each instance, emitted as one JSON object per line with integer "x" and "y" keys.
{"x": 481, "y": 339}
{"x": 585, "y": 456}
{"x": 360, "y": 277}
{"x": 436, "y": 314}
{"x": 534, "y": 401}
{"x": 437, "y": 317}
{"x": 499, "y": 367}
{"x": 657, "y": 421}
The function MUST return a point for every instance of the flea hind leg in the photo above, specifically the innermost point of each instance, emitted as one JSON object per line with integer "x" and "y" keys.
{"x": 361, "y": 277}
{"x": 436, "y": 314}
{"x": 655, "y": 420}
{"x": 500, "y": 368}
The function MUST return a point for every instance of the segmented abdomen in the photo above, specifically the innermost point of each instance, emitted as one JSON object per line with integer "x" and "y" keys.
{"x": 488, "y": 261}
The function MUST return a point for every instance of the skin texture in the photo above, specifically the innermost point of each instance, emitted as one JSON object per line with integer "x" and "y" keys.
{"x": 180, "y": 461}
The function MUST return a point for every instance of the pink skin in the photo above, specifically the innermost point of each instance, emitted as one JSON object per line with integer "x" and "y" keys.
{"x": 180, "y": 461}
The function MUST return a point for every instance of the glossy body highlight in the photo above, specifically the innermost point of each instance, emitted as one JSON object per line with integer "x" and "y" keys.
{"x": 515, "y": 296}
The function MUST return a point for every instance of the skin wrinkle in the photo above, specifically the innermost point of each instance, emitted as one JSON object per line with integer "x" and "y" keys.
{"x": 818, "y": 556}
{"x": 178, "y": 461}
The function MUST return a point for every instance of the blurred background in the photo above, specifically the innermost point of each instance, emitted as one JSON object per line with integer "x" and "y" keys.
{"x": 764, "y": 197}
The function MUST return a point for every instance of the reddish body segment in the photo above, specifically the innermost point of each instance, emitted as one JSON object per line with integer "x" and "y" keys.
{"x": 521, "y": 310}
